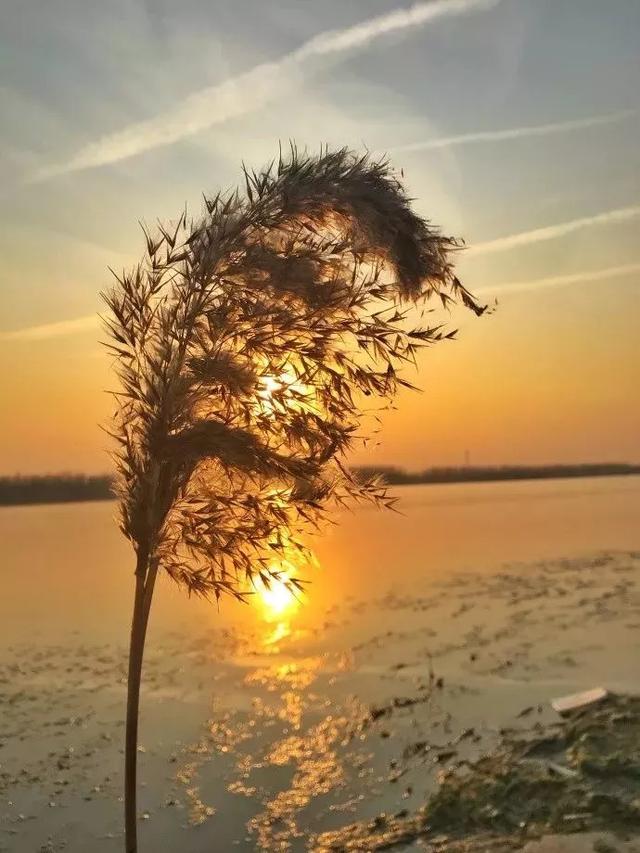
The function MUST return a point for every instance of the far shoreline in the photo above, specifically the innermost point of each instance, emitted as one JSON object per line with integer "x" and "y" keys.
{"x": 72, "y": 488}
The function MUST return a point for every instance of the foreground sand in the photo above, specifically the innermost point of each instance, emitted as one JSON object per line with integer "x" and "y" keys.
{"x": 278, "y": 736}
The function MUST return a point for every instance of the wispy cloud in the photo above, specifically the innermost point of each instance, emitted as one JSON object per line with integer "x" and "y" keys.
{"x": 91, "y": 322}
{"x": 62, "y": 328}
{"x": 516, "y": 132}
{"x": 551, "y": 232}
{"x": 562, "y": 280}
{"x": 253, "y": 89}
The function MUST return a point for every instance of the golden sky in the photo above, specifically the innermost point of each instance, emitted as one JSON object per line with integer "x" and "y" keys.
{"x": 515, "y": 121}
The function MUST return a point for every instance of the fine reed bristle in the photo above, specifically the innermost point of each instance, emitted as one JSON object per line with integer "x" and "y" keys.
{"x": 245, "y": 344}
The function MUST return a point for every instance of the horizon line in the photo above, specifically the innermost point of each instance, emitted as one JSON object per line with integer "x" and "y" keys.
{"x": 61, "y": 475}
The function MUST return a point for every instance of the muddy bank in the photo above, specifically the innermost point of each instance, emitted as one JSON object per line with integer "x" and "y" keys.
{"x": 575, "y": 775}
{"x": 429, "y": 702}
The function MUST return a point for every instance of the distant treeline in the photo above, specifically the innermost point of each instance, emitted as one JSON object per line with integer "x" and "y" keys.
{"x": 59, "y": 488}
{"x": 67, "y": 488}
{"x": 478, "y": 474}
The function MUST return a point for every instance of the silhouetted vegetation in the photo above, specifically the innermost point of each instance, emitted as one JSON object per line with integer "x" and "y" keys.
{"x": 71, "y": 488}
{"x": 399, "y": 477}
{"x": 244, "y": 343}
{"x": 60, "y": 488}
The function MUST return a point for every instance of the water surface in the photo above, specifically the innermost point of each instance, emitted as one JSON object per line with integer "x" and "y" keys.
{"x": 268, "y": 727}
{"x": 66, "y": 568}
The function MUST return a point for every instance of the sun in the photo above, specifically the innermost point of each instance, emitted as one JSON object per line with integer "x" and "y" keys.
{"x": 269, "y": 386}
{"x": 284, "y": 391}
{"x": 276, "y": 597}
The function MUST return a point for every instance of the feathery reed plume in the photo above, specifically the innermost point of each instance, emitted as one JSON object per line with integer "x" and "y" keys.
{"x": 244, "y": 344}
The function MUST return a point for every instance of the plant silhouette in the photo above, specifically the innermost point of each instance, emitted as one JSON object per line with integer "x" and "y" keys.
{"x": 247, "y": 345}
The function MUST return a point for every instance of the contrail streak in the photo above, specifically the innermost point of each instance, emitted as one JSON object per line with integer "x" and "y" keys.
{"x": 91, "y": 321}
{"x": 53, "y": 330}
{"x": 551, "y": 232}
{"x": 562, "y": 280}
{"x": 515, "y": 132}
{"x": 254, "y": 88}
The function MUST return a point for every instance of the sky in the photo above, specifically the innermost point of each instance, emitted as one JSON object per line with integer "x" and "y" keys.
{"x": 516, "y": 123}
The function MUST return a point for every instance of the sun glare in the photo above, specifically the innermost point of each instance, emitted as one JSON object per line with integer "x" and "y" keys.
{"x": 276, "y": 395}
{"x": 284, "y": 391}
{"x": 276, "y": 597}
{"x": 269, "y": 385}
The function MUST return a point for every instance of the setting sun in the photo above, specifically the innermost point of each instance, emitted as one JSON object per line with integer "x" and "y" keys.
{"x": 276, "y": 598}
{"x": 284, "y": 392}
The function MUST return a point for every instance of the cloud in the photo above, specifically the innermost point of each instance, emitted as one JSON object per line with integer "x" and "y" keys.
{"x": 361, "y": 35}
{"x": 551, "y": 232}
{"x": 251, "y": 90}
{"x": 91, "y": 322}
{"x": 562, "y": 280}
{"x": 515, "y": 132}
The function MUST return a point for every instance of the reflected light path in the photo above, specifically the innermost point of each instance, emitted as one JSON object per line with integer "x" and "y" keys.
{"x": 276, "y": 603}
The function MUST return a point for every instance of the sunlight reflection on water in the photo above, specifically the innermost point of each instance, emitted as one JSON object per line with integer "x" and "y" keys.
{"x": 273, "y": 726}
{"x": 281, "y": 631}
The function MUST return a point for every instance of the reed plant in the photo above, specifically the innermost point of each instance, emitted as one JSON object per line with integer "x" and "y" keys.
{"x": 248, "y": 344}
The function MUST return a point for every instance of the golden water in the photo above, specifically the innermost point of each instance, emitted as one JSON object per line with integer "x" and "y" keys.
{"x": 65, "y": 568}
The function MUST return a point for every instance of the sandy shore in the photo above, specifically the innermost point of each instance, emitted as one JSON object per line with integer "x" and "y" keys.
{"x": 278, "y": 739}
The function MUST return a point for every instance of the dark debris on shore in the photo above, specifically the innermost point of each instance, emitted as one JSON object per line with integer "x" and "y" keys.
{"x": 580, "y": 774}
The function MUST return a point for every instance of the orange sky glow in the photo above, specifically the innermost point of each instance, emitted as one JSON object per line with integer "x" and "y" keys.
{"x": 514, "y": 131}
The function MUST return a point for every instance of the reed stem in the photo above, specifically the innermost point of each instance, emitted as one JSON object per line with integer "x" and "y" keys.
{"x": 145, "y": 580}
